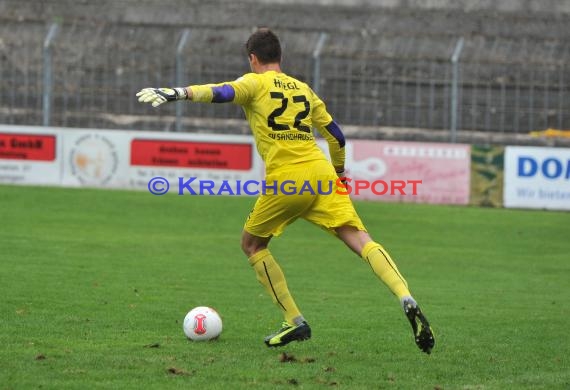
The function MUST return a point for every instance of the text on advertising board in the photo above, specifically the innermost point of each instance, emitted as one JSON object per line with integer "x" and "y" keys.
{"x": 27, "y": 147}
{"x": 185, "y": 154}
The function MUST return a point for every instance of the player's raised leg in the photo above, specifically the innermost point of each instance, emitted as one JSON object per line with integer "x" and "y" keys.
{"x": 385, "y": 268}
{"x": 270, "y": 275}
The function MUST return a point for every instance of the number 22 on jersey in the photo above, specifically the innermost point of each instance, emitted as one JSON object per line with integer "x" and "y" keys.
{"x": 300, "y": 104}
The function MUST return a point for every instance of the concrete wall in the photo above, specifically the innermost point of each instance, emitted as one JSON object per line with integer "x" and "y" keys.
{"x": 253, "y": 12}
{"x": 547, "y": 6}
{"x": 101, "y": 39}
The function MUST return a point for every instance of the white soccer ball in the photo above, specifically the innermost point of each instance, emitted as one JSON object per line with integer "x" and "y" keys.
{"x": 202, "y": 323}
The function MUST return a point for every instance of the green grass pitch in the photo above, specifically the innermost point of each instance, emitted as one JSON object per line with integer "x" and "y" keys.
{"x": 94, "y": 286}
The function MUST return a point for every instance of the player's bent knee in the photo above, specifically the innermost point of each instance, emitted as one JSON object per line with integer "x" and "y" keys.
{"x": 252, "y": 250}
{"x": 251, "y": 244}
{"x": 354, "y": 238}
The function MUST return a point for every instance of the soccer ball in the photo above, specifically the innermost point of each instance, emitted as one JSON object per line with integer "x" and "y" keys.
{"x": 202, "y": 323}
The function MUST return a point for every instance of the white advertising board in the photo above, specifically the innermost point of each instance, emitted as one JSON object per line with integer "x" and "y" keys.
{"x": 30, "y": 155}
{"x": 95, "y": 158}
{"x": 188, "y": 164}
{"x": 193, "y": 164}
{"x": 537, "y": 178}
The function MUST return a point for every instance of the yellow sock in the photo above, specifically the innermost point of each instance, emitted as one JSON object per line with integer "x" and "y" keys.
{"x": 271, "y": 277}
{"x": 384, "y": 267}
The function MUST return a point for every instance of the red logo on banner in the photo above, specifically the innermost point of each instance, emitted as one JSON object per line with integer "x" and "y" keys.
{"x": 27, "y": 147}
{"x": 185, "y": 154}
{"x": 200, "y": 324}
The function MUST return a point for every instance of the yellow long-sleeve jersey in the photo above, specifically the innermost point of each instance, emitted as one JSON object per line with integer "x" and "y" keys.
{"x": 281, "y": 111}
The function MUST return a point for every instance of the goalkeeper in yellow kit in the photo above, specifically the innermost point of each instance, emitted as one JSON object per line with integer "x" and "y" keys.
{"x": 282, "y": 111}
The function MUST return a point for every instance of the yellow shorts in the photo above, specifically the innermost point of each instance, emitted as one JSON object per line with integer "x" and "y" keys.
{"x": 305, "y": 191}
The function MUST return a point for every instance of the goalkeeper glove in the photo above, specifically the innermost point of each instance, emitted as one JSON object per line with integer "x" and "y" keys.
{"x": 157, "y": 96}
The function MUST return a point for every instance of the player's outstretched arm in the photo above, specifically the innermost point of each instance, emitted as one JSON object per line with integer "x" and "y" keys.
{"x": 157, "y": 96}
{"x": 240, "y": 91}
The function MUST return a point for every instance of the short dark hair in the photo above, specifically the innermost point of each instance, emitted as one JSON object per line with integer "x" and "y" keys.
{"x": 265, "y": 45}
